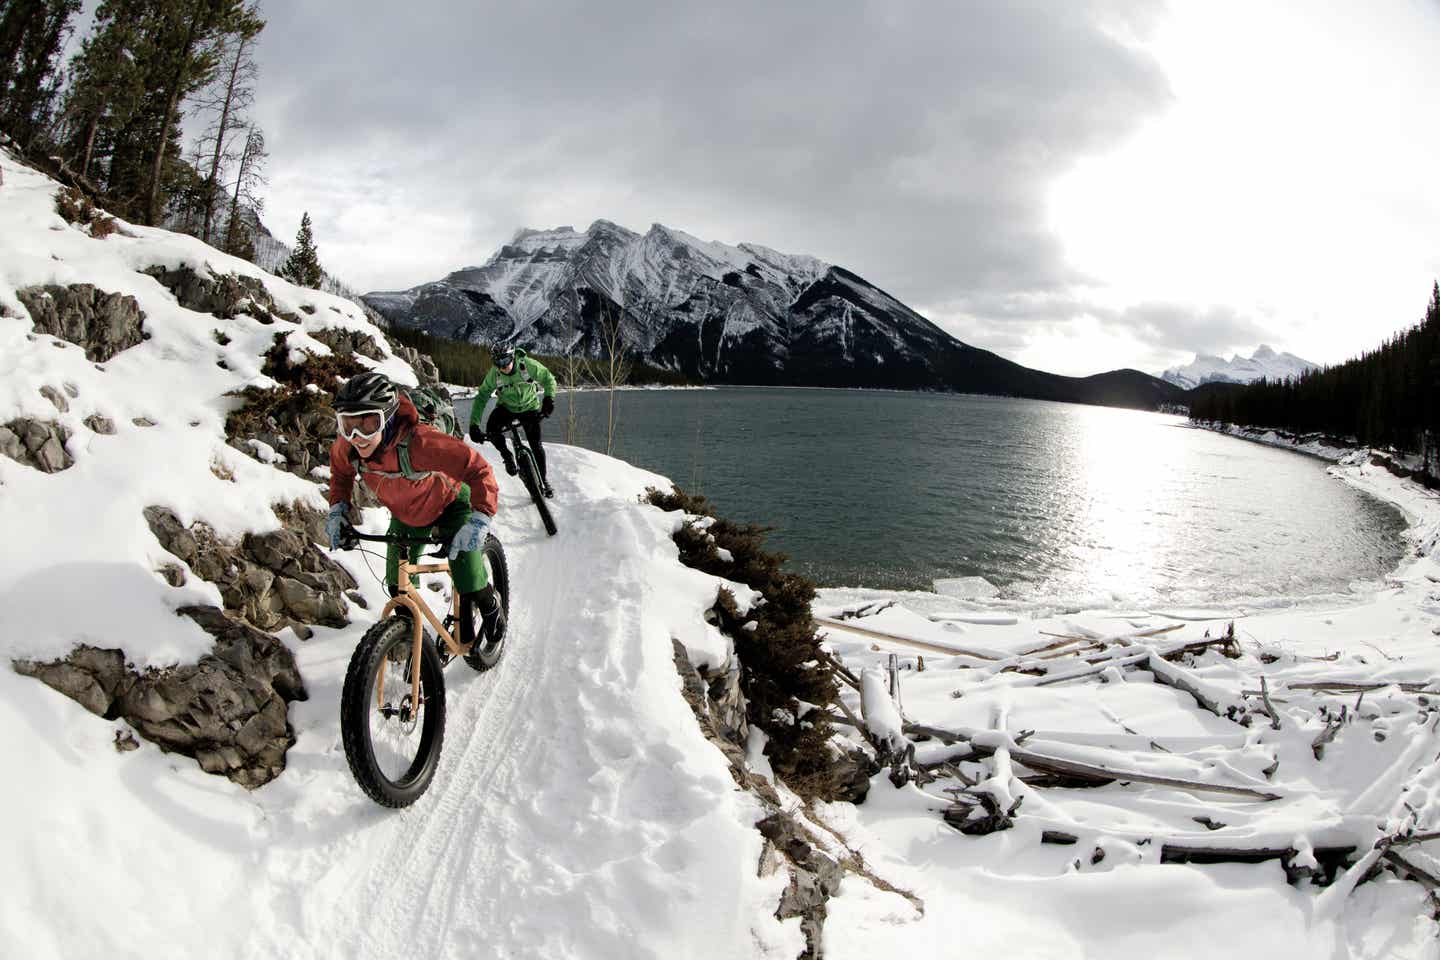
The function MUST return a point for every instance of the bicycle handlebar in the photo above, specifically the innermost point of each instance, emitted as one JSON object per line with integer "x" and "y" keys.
{"x": 350, "y": 537}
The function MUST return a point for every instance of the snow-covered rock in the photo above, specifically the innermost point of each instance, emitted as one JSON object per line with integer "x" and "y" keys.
{"x": 1265, "y": 362}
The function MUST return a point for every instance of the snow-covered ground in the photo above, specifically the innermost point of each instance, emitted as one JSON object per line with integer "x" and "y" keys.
{"x": 578, "y": 811}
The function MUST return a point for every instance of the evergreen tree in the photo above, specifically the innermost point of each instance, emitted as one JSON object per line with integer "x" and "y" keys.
{"x": 303, "y": 265}
{"x": 187, "y": 32}
{"x": 32, "y": 33}
{"x": 234, "y": 95}
{"x": 131, "y": 82}
{"x": 107, "y": 85}
{"x": 1389, "y": 397}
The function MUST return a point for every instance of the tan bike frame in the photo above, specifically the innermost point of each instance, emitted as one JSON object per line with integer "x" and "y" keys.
{"x": 409, "y": 598}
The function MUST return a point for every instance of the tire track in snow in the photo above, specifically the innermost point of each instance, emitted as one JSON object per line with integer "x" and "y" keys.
{"x": 527, "y": 843}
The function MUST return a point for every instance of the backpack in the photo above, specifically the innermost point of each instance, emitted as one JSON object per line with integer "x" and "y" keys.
{"x": 435, "y": 408}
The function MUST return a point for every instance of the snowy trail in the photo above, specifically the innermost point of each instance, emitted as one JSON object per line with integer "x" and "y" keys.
{"x": 562, "y": 810}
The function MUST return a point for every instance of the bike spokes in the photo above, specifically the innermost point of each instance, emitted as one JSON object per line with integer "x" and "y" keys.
{"x": 395, "y": 720}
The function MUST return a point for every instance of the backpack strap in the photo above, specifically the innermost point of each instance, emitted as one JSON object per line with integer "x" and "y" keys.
{"x": 402, "y": 453}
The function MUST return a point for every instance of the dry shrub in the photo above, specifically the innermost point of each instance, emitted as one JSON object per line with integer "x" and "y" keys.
{"x": 326, "y": 372}
{"x": 102, "y": 226}
{"x": 73, "y": 206}
{"x": 782, "y": 666}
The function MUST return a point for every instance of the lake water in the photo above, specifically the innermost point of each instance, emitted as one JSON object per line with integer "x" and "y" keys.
{"x": 1058, "y": 505}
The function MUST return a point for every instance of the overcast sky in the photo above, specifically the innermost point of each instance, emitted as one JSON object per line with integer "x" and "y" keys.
{"x": 1077, "y": 185}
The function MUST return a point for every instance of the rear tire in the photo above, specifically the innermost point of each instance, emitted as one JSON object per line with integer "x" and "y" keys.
{"x": 530, "y": 474}
{"x": 382, "y": 732}
{"x": 482, "y": 657}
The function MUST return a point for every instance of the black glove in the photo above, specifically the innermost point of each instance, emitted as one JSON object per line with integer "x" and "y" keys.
{"x": 547, "y": 406}
{"x": 476, "y": 434}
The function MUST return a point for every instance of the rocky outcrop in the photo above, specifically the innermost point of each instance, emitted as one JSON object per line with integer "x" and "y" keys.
{"x": 36, "y": 443}
{"x": 271, "y": 580}
{"x": 228, "y": 711}
{"x": 225, "y": 296}
{"x": 424, "y": 367}
{"x": 347, "y": 342}
{"x": 102, "y": 323}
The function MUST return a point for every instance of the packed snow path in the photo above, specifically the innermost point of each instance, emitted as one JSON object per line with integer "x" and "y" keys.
{"x": 565, "y": 808}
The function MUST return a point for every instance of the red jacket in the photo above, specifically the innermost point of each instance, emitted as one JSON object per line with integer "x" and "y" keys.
{"x": 416, "y": 503}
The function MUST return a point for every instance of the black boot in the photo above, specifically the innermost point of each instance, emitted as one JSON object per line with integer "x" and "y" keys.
{"x": 492, "y": 616}
{"x": 485, "y": 604}
{"x": 545, "y": 487}
{"x": 510, "y": 467}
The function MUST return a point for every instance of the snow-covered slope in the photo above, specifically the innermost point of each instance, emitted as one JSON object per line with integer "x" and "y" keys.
{"x": 1265, "y": 363}
{"x": 578, "y": 810}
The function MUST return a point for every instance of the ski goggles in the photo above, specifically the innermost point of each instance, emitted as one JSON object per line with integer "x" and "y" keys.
{"x": 360, "y": 425}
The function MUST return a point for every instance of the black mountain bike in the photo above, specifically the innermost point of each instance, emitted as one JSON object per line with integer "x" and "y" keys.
{"x": 392, "y": 709}
{"x": 530, "y": 474}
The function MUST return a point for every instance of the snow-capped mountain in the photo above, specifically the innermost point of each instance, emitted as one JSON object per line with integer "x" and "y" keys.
{"x": 721, "y": 313}
{"x": 1265, "y": 362}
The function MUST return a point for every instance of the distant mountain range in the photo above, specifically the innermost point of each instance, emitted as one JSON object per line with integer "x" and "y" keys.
{"x": 741, "y": 314}
{"x": 1264, "y": 363}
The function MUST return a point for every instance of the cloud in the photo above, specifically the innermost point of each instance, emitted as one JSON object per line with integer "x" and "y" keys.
{"x": 911, "y": 142}
{"x": 1075, "y": 334}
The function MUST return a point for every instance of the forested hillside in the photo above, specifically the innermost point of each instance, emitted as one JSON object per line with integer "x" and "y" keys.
{"x": 1389, "y": 397}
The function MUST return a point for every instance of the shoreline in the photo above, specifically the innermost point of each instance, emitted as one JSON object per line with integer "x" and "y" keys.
{"x": 1419, "y": 509}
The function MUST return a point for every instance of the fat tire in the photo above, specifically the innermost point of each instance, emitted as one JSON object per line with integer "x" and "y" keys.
{"x": 494, "y": 558}
{"x": 530, "y": 474}
{"x": 356, "y": 701}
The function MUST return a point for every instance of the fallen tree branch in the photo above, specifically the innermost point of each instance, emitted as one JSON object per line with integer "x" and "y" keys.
{"x": 1332, "y": 729}
{"x": 1204, "y": 693}
{"x": 1425, "y": 878}
{"x": 1270, "y": 707}
{"x": 920, "y": 644}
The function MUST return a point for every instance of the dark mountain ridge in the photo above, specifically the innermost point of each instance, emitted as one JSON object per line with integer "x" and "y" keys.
{"x": 724, "y": 314}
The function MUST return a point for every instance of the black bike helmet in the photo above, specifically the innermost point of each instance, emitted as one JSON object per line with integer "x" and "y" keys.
{"x": 503, "y": 356}
{"x": 368, "y": 391}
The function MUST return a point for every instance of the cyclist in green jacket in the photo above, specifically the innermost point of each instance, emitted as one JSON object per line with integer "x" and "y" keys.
{"x": 526, "y": 392}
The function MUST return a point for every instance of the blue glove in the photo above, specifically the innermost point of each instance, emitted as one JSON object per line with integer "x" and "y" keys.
{"x": 336, "y": 523}
{"x": 470, "y": 536}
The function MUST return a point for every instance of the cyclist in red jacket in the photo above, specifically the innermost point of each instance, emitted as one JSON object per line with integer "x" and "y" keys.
{"x": 426, "y": 478}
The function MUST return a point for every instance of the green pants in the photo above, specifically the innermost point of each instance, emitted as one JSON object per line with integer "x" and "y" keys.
{"x": 467, "y": 570}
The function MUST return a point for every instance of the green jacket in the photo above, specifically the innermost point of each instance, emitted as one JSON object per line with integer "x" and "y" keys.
{"x": 519, "y": 390}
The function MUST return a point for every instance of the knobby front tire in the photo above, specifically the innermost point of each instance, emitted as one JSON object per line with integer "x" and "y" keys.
{"x": 530, "y": 474}
{"x": 393, "y": 749}
{"x": 482, "y": 657}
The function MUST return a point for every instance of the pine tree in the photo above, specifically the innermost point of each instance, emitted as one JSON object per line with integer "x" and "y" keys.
{"x": 303, "y": 265}
{"x": 188, "y": 32}
{"x": 235, "y": 94}
{"x": 107, "y": 85}
{"x": 32, "y": 33}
